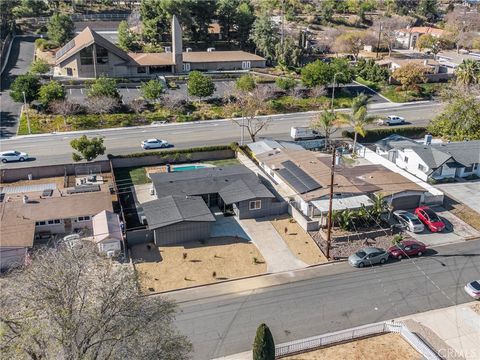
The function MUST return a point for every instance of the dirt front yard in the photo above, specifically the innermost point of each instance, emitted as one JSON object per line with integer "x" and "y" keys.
{"x": 190, "y": 264}
{"x": 391, "y": 347}
{"x": 298, "y": 241}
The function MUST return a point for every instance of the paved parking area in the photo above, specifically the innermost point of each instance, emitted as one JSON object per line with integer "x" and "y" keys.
{"x": 456, "y": 230}
{"x": 466, "y": 192}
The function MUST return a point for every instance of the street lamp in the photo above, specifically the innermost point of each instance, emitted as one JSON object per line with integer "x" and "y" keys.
{"x": 333, "y": 90}
{"x": 26, "y": 111}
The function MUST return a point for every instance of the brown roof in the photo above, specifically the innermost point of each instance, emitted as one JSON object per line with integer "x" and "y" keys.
{"x": 424, "y": 62}
{"x": 219, "y": 56}
{"x": 358, "y": 179}
{"x": 84, "y": 39}
{"x": 424, "y": 30}
{"x": 17, "y": 220}
{"x": 153, "y": 59}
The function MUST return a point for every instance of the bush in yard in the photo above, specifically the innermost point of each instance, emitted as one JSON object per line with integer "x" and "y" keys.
{"x": 410, "y": 75}
{"x": 103, "y": 86}
{"x": 152, "y": 90}
{"x": 200, "y": 85}
{"x": 88, "y": 149}
{"x": 60, "y": 28}
{"x": 50, "y": 92}
{"x": 379, "y": 134}
{"x": 285, "y": 83}
{"x": 245, "y": 83}
{"x": 39, "y": 66}
{"x": 263, "y": 345}
{"x": 28, "y": 84}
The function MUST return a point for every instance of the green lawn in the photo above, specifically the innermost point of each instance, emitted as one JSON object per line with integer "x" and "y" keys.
{"x": 426, "y": 92}
{"x": 224, "y": 162}
{"x": 135, "y": 175}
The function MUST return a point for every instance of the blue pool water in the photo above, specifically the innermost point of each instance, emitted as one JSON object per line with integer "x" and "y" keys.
{"x": 188, "y": 167}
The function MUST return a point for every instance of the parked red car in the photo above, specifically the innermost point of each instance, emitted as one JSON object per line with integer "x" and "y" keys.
{"x": 407, "y": 248}
{"x": 430, "y": 219}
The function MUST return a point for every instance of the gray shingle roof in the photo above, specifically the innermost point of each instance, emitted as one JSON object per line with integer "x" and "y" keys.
{"x": 395, "y": 142}
{"x": 174, "y": 209}
{"x": 210, "y": 181}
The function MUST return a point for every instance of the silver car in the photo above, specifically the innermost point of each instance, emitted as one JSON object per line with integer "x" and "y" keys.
{"x": 473, "y": 289}
{"x": 154, "y": 144}
{"x": 368, "y": 256}
{"x": 409, "y": 220}
{"x": 13, "y": 155}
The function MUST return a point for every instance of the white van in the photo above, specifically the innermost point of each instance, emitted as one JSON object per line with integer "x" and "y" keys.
{"x": 303, "y": 133}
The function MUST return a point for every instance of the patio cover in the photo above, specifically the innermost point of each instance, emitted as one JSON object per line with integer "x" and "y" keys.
{"x": 343, "y": 203}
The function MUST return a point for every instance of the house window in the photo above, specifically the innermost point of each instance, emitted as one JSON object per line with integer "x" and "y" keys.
{"x": 82, "y": 218}
{"x": 255, "y": 205}
{"x": 246, "y": 65}
{"x": 86, "y": 56}
{"x": 40, "y": 223}
{"x": 406, "y": 159}
{"x": 421, "y": 167}
{"x": 55, "y": 221}
{"x": 186, "y": 66}
{"x": 141, "y": 70}
{"x": 468, "y": 169}
{"x": 69, "y": 72}
{"x": 102, "y": 55}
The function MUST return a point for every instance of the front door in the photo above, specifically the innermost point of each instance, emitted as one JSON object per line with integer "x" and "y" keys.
{"x": 68, "y": 225}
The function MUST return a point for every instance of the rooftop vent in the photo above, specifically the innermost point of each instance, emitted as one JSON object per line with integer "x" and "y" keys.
{"x": 211, "y": 49}
{"x": 168, "y": 49}
{"x": 188, "y": 49}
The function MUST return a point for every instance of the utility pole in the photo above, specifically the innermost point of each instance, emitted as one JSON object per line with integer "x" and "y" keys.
{"x": 283, "y": 24}
{"x": 379, "y": 35}
{"x": 333, "y": 89}
{"x": 26, "y": 112}
{"x": 330, "y": 203}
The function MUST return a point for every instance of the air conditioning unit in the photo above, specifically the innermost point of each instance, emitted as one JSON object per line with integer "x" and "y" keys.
{"x": 168, "y": 49}
{"x": 144, "y": 220}
{"x": 210, "y": 49}
{"x": 188, "y": 49}
{"x": 110, "y": 254}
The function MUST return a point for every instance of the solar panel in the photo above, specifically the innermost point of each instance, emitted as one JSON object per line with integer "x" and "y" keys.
{"x": 64, "y": 49}
{"x": 83, "y": 189}
{"x": 293, "y": 181}
{"x": 47, "y": 192}
{"x": 301, "y": 175}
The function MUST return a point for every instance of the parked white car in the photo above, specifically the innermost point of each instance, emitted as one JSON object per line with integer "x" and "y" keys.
{"x": 154, "y": 144}
{"x": 392, "y": 120}
{"x": 473, "y": 289}
{"x": 410, "y": 221}
{"x": 13, "y": 155}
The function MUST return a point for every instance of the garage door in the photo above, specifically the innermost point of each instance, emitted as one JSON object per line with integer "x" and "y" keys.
{"x": 406, "y": 202}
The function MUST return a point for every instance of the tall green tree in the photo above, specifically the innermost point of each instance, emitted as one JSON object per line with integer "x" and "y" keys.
{"x": 264, "y": 35}
{"x": 155, "y": 20}
{"x": 316, "y": 73}
{"x": 7, "y": 19}
{"x": 88, "y": 149}
{"x": 50, "y": 92}
{"x": 60, "y": 28}
{"x": 28, "y": 84}
{"x": 200, "y": 85}
{"x": 152, "y": 90}
{"x": 288, "y": 54}
{"x": 428, "y": 9}
{"x": 29, "y": 8}
{"x": 263, "y": 345}
{"x": 244, "y": 19}
{"x": 103, "y": 86}
{"x": 285, "y": 83}
{"x": 126, "y": 37}
{"x": 345, "y": 72}
{"x": 468, "y": 72}
{"x": 39, "y": 66}
{"x": 226, "y": 13}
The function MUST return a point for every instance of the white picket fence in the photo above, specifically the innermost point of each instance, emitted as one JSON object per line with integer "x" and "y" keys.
{"x": 314, "y": 342}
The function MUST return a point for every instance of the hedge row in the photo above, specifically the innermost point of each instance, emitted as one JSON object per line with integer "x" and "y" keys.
{"x": 374, "y": 135}
{"x": 172, "y": 153}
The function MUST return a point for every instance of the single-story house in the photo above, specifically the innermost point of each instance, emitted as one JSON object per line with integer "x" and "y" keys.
{"x": 307, "y": 173}
{"x": 25, "y": 217}
{"x": 431, "y": 66}
{"x": 407, "y": 38}
{"x": 89, "y": 55}
{"x": 428, "y": 160}
{"x": 451, "y": 59}
{"x": 186, "y": 199}
{"x": 107, "y": 232}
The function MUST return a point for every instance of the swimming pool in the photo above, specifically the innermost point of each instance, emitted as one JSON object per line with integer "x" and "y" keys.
{"x": 187, "y": 167}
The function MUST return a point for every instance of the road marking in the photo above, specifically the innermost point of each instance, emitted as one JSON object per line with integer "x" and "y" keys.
{"x": 128, "y": 90}
{"x": 81, "y": 90}
{"x": 70, "y": 91}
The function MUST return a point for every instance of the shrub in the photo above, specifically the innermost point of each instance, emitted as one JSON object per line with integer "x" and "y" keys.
{"x": 173, "y": 153}
{"x": 378, "y": 134}
{"x": 40, "y": 44}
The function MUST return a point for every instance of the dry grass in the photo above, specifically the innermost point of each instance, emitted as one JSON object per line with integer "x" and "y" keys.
{"x": 463, "y": 212}
{"x": 48, "y": 56}
{"x": 299, "y": 242}
{"x": 59, "y": 181}
{"x": 223, "y": 258}
{"x": 391, "y": 347}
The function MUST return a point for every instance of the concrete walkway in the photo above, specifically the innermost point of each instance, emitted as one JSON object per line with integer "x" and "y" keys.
{"x": 274, "y": 250}
{"x": 456, "y": 331}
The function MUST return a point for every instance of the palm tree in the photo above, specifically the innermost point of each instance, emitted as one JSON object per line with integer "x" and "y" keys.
{"x": 357, "y": 119}
{"x": 468, "y": 72}
{"x": 325, "y": 122}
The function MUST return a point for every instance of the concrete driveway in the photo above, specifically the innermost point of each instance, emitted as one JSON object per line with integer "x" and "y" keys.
{"x": 467, "y": 193}
{"x": 456, "y": 230}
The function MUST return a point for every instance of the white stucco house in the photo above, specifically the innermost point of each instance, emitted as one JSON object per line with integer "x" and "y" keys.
{"x": 432, "y": 161}
{"x": 107, "y": 233}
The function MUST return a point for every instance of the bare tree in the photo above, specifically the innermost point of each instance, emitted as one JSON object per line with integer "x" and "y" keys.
{"x": 389, "y": 27}
{"x": 71, "y": 303}
{"x": 137, "y": 105}
{"x": 102, "y": 104}
{"x": 316, "y": 93}
{"x": 251, "y": 105}
{"x": 64, "y": 108}
{"x": 462, "y": 27}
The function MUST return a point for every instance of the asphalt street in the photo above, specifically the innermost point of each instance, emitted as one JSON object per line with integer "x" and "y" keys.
{"x": 331, "y": 298}
{"x": 21, "y": 56}
{"x": 55, "y": 148}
